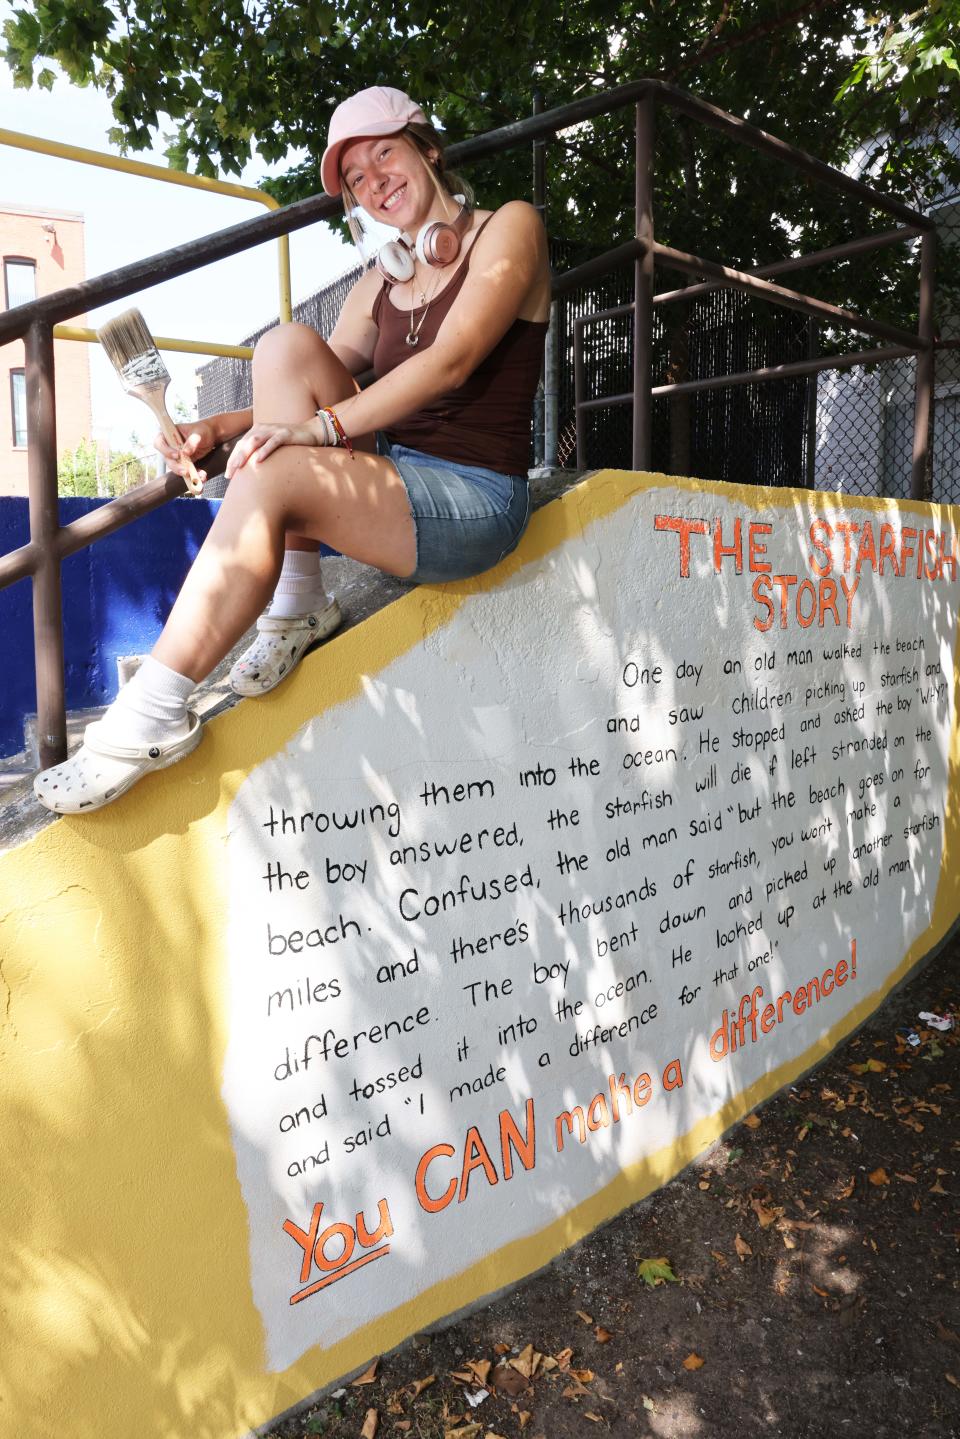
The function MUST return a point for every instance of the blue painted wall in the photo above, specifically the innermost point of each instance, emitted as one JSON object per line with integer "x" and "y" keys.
{"x": 116, "y": 596}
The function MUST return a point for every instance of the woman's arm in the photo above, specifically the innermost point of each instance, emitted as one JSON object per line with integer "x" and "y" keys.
{"x": 508, "y": 264}
{"x": 201, "y": 436}
{"x": 355, "y": 333}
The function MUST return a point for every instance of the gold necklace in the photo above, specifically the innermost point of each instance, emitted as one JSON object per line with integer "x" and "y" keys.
{"x": 413, "y": 334}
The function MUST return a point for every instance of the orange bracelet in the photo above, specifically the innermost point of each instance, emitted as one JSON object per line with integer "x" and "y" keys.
{"x": 341, "y": 434}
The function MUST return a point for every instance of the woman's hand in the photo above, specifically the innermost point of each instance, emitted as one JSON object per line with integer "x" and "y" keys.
{"x": 263, "y": 439}
{"x": 199, "y": 438}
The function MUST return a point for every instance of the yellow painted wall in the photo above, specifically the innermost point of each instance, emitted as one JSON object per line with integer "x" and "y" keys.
{"x": 127, "y": 1307}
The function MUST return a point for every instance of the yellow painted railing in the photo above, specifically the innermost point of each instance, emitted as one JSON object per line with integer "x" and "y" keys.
{"x": 162, "y": 342}
{"x": 84, "y": 156}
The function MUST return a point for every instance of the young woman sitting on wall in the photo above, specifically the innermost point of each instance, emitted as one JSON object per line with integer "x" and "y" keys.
{"x": 452, "y": 320}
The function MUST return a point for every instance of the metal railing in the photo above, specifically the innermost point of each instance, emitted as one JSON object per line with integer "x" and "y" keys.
{"x": 50, "y": 542}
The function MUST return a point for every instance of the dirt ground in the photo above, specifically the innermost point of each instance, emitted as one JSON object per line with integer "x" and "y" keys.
{"x": 805, "y": 1281}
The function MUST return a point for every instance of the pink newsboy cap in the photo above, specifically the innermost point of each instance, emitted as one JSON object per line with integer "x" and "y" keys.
{"x": 381, "y": 110}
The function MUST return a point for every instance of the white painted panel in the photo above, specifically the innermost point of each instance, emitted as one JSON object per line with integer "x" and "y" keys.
{"x": 600, "y": 795}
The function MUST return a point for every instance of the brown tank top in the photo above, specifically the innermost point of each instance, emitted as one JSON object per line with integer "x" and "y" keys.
{"x": 485, "y": 422}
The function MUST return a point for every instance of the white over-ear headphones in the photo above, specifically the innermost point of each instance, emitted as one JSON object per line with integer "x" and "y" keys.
{"x": 436, "y": 244}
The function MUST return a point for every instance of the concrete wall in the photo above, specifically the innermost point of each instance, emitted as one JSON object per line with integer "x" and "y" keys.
{"x": 54, "y": 241}
{"x": 116, "y": 596}
{"x": 509, "y": 903}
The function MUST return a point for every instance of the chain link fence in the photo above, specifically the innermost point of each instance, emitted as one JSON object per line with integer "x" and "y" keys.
{"x": 864, "y": 432}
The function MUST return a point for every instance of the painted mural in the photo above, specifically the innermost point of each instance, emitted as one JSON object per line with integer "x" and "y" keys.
{"x": 627, "y": 833}
{"x": 509, "y": 903}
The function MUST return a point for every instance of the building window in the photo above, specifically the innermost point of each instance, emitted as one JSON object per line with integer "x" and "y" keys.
{"x": 20, "y": 282}
{"x": 18, "y": 407}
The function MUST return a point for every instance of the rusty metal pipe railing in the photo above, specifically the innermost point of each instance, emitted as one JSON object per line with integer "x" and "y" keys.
{"x": 642, "y": 291}
{"x": 849, "y": 250}
{"x": 751, "y": 283}
{"x": 790, "y": 370}
{"x": 168, "y": 265}
{"x": 108, "y": 518}
{"x": 44, "y": 524}
{"x": 923, "y": 386}
{"x": 790, "y": 299}
{"x": 40, "y": 558}
{"x": 564, "y": 117}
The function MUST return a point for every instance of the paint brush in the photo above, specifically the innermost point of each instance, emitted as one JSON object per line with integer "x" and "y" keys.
{"x": 136, "y": 359}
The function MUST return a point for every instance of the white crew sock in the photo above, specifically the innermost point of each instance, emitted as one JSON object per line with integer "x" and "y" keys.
{"x": 152, "y": 706}
{"x": 299, "y": 589}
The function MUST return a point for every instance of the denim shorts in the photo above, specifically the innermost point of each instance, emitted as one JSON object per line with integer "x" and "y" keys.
{"x": 466, "y": 518}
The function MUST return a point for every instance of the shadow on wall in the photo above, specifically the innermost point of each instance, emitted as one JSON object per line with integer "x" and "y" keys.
{"x": 116, "y": 596}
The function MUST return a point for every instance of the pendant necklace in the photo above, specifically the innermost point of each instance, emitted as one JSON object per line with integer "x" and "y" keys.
{"x": 413, "y": 334}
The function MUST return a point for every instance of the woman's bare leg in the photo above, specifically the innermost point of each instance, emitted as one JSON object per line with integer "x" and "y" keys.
{"x": 288, "y": 361}
{"x": 298, "y": 495}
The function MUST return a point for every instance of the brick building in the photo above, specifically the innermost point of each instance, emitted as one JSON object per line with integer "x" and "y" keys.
{"x": 40, "y": 251}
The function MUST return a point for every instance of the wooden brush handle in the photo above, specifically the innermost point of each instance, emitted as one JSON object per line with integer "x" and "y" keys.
{"x": 173, "y": 437}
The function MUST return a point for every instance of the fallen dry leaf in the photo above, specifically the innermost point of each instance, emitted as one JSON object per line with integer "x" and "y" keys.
{"x": 742, "y": 1247}
{"x": 649, "y": 1404}
{"x": 656, "y": 1271}
{"x": 601, "y": 1335}
{"x": 936, "y": 1188}
{"x": 848, "y": 1188}
{"x": 587, "y": 1318}
{"x": 369, "y": 1429}
{"x": 574, "y": 1391}
{"x": 463, "y": 1431}
{"x": 693, "y": 1361}
{"x": 403, "y": 1424}
{"x": 564, "y": 1357}
{"x": 501, "y": 1349}
{"x": 879, "y": 1176}
{"x": 508, "y": 1381}
{"x": 585, "y": 1376}
{"x": 766, "y": 1213}
{"x": 480, "y": 1368}
{"x": 752, "y": 1121}
{"x": 547, "y": 1362}
{"x": 788, "y": 1240}
{"x": 462, "y": 1376}
{"x": 526, "y": 1362}
{"x": 720, "y": 1258}
{"x": 947, "y": 1335}
{"x": 703, "y": 1184}
{"x": 418, "y": 1385}
{"x": 951, "y": 1379}
{"x": 594, "y": 1417}
{"x": 822, "y": 1292}
{"x": 524, "y": 1416}
{"x": 367, "y": 1377}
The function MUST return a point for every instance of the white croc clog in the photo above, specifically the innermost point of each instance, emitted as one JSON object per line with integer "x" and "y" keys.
{"x": 279, "y": 647}
{"x": 101, "y": 771}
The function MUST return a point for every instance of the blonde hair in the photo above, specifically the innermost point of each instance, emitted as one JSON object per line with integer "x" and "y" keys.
{"x": 424, "y": 140}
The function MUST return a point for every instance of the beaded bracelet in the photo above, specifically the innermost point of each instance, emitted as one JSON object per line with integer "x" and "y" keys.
{"x": 339, "y": 434}
{"x": 329, "y": 433}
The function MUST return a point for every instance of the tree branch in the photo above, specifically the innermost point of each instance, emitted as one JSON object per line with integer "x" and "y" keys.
{"x": 768, "y": 27}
